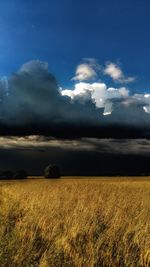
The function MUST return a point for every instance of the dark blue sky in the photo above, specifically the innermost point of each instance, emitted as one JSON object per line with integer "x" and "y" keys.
{"x": 62, "y": 32}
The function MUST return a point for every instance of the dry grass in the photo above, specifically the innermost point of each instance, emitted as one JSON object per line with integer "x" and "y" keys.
{"x": 83, "y": 222}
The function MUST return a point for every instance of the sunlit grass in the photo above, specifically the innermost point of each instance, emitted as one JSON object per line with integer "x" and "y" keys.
{"x": 69, "y": 222}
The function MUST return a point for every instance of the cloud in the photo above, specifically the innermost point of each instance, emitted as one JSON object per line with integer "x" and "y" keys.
{"x": 34, "y": 66}
{"x": 34, "y": 101}
{"x": 32, "y": 92}
{"x": 115, "y": 72}
{"x": 31, "y": 102}
{"x": 3, "y": 87}
{"x": 104, "y": 145}
{"x": 98, "y": 93}
{"x": 41, "y": 142}
{"x": 87, "y": 70}
{"x": 83, "y": 156}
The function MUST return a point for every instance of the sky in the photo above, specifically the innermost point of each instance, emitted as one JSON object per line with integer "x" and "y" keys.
{"x": 63, "y": 32}
{"x": 74, "y": 73}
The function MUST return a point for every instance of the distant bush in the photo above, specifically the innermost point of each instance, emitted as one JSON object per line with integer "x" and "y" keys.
{"x": 20, "y": 174}
{"x": 52, "y": 171}
{"x": 6, "y": 175}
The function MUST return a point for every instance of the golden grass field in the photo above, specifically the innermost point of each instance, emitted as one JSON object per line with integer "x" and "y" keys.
{"x": 90, "y": 222}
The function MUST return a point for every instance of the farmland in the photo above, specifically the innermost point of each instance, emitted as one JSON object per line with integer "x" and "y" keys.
{"x": 81, "y": 222}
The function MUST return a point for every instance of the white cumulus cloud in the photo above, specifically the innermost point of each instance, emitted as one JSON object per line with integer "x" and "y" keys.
{"x": 98, "y": 92}
{"x": 84, "y": 72}
{"x": 87, "y": 70}
{"x": 115, "y": 72}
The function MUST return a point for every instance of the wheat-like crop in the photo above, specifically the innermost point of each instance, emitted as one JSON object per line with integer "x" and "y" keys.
{"x": 86, "y": 222}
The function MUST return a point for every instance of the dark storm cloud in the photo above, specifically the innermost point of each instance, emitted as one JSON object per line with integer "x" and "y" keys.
{"x": 34, "y": 100}
{"x": 33, "y": 94}
{"x": 85, "y": 156}
{"x": 42, "y": 143}
{"x": 31, "y": 103}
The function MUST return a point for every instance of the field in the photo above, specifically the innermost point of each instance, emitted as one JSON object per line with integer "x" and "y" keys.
{"x": 72, "y": 222}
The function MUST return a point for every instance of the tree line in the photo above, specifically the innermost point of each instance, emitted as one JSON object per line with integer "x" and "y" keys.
{"x": 52, "y": 171}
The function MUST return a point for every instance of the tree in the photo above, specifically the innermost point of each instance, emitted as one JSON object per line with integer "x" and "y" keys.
{"x": 52, "y": 171}
{"x": 6, "y": 175}
{"x": 20, "y": 174}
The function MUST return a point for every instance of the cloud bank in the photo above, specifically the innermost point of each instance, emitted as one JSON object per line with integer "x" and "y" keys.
{"x": 113, "y": 146}
{"x": 83, "y": 156}
{"x": 31, "y": 100}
